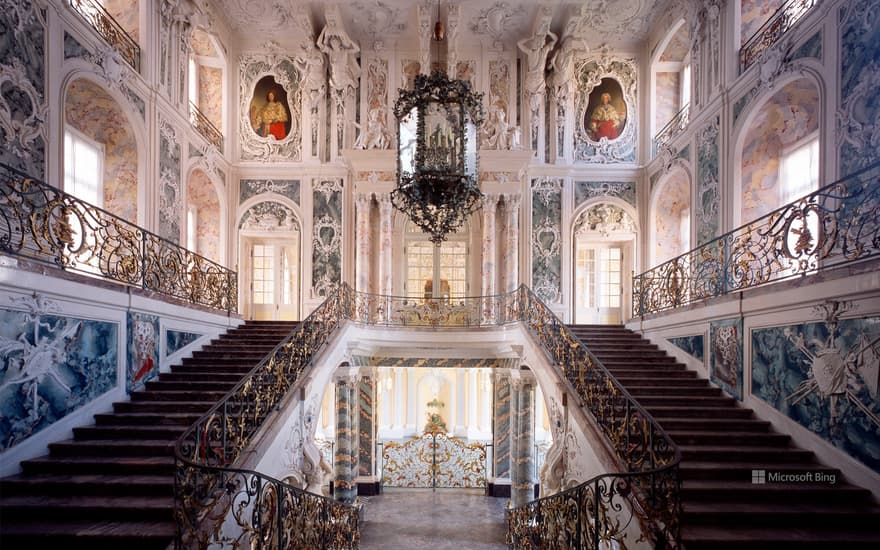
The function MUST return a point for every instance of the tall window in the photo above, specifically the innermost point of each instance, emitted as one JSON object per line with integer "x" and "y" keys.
{"x": 799, "y": 169}
{"x": 192, "y": 225}
{"x": 685, "y": 85}
{"x": 193, "y": 82}
{"x": 83, "y": 167}
{"x": 263, "y": 274}
{"x": 422, "y": 257}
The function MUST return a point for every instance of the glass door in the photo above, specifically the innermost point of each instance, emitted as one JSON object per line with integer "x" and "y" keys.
{"x": 273, "y": 280}
{"x": 598, "y": 283}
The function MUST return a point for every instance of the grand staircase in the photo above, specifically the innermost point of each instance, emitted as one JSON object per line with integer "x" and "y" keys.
{"x": 721, "y": 444}
{"x": 112, "y": 485}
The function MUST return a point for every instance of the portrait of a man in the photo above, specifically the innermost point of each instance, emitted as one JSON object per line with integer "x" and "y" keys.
{"x": 605, "y": 116}
{"x": 269, "y": 112}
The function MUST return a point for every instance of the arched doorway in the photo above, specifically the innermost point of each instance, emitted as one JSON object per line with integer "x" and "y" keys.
{"x": 269, "y": 271}
{"x": 604, "y": 236}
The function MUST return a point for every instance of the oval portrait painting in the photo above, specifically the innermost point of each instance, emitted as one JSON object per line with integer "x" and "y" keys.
{"x": 270, "y": 115}
{"x": 606, "y": 111}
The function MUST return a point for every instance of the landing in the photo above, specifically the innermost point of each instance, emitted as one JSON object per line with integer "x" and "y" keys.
{"x": 445, "y": 519}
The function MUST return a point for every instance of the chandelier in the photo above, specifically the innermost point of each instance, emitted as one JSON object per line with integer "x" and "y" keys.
{"x": 437, "y": 128}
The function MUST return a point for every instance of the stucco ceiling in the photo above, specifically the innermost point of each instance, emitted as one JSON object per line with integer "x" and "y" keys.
{"x": 394, "y": 23}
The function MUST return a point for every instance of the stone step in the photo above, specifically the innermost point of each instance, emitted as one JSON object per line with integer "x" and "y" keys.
{"x": 769, "y": 514}
{"x": 87, "y": 484}
{"x": 101, "y": 507}
{"x": 178, "y": 395}
{"x": 673, "y": 391}
{"x": 747, "y": 492}
{"x": 228, "y": 361}
{"x": 115, "y": 448}
{"x": 200, "y": 407}
{"x": 742, "y": 471}
{"x": 85, "y": 433}
{"x": 227, "y": 377}
{"x": 693, "y": 437}
{"x": 650, "y": 372}
{"x": 660, "y": 412}
{"x": 649, "y": 401}
{"x": 667, "y": 382}
{"x": 147, "y": 419}
{"x": 240, "y": 370}
{"x": 242, "y": 355}
{"x": 131, "y": 534}
{"x": 124, "y": 465}
{"x": 762, "y": 456}
{"x": 201, "y": 385}
{"x": 713, "y": 424}
{"x": 699, "y": 537}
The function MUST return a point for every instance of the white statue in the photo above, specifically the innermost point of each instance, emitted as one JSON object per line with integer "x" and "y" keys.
{"x": 562, "y": 79}
{"x": 536, "y": 49}
{"x": 312, "y": 67}
{"x": 342, "y": 51}
{"x": 374, "y": 135}
{"x": 497, "y": 132}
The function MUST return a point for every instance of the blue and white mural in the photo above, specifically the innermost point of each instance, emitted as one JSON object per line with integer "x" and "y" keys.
{"x": 547, "y": 239}
{"x": 586, "y": 190}
{"x": 251, "y": 188}
{"x": 326, "y": 237}
{"x": 143, "y": 350}
{"x": 726, "y": 355}
{"x": 50, "y": 366}
{"x": 178, "y": 339}
{"x": 824, "y": 376}
{"x": 693, "y": 345}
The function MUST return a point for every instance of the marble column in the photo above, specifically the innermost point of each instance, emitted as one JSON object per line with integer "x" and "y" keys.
{"x": 490, "y": 203}
{"x": 501, "y": 424}
{"x": 366, "y": 433}
{"x": 522, "y": 467}
{"x": 363, "y": 204}
{"x": 385, "y": 233}
{"x": 345, "y": 460}
{"x": 512, "y": 204}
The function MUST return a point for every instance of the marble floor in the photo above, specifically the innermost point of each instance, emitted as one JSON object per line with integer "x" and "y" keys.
{"x": 459, "y": 519}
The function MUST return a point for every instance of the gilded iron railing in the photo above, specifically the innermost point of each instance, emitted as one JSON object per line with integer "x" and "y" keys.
{"x": 40, "y": 222}
{"x": 96, "y": 16}
{"x": 673, "y": 128}
{"x": 434, "y": 460}
{"x": 596, "y": 513}
{"x": 217, "y": 503}
{"x": 200, "y": 122}
{"x": 472, "y": 311}
{"x": 770, "y": 32}
{"x": 836, "y": 225}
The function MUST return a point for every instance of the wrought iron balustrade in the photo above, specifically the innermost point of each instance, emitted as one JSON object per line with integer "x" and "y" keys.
{"x": 672, "y": 128}
{"x": 770, "y": 32}
{"x": 210, "y": 492}
{"x": 40, "y": 222}
{"x": 836, "y": 225}
{"x": 472, "y": 311}
{"x": 95, "y": 15}
{"x": 596, "y": 513}
{"x": 205, "y": 127}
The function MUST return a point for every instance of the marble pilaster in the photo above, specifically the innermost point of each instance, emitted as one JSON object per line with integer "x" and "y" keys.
{"x": 490, "y": 203}
{"x": 501, "y": 424}
{"x": 512, "y": 204}
{"x": 363, "y": 204}
{"x": 366, "y": 432}
{"x": 385, "y": 237}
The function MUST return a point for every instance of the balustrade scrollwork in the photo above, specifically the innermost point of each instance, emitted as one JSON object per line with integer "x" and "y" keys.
{"x": 770, "y": 32}
{"x": 40, "y": 222}
{"x": 836, "y": 225}
{"x": 672, "y": 128}
{"x": 205, "y": 127}
{"x": 96, "y": 16}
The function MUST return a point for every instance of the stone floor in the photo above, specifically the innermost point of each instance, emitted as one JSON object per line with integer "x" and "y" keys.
{"x": 459, "y": 519}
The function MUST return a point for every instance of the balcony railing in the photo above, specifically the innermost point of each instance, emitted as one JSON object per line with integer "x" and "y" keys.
{"x": 210, "y": 491}
{"x": 40, "y": 222}
{"x": 770, "y": 32}
{"x": 836, "y": 225}
{"x": 96, "y": 16}
{"x": 674, "y": 127}
{"x": 205, "y": 127}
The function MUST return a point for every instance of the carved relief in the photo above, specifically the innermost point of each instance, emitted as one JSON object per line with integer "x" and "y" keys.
{"x": 497, "y": 20}
{"x": 547, "y": 239}
{"x": 605, "y": 219}
{"x": 269, "y": 216}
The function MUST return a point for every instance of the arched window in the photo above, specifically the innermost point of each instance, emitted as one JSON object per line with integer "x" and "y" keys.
{"x": 425, "y": 261}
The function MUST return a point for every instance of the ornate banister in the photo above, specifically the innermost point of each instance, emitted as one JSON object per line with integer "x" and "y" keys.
{"x": 43, "y": 223}
{"x": 770, "y": 32}
{"x": 96, "y": 16}
{"x": 205, "y": 127}
{"x": 672, "y": 128}
{"x": 836, "y": 225}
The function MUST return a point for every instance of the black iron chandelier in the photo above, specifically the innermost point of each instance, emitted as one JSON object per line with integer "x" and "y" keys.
{"x": 437, "y": 127}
